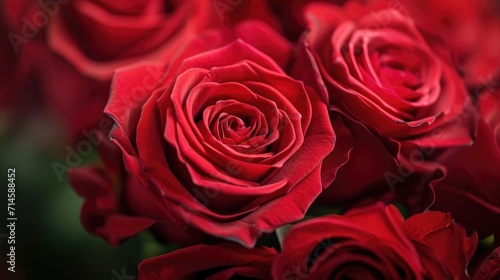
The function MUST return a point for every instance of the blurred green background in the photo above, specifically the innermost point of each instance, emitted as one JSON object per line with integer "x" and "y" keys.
{"x": 50, "y": 241}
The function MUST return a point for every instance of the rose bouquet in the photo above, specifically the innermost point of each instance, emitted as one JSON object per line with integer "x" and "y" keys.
{"x": 280, "y": 139}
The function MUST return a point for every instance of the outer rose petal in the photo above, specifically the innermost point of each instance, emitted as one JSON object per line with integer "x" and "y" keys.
{"x": 490, "y": 268}
{"x": 100, "y": 213}
{"x": 472, "y": 174}
{"x": 366, "y": 153}
{"x": 448, "y": 240}
{"x": 106, "y": 212}
{"x": 226, "y": 260}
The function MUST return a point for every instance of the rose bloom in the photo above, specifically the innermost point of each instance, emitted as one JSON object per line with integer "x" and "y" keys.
{"x": 219, "y": 261}
{"x": 97, "y": 37}
{"x": 403, "y": 103}
{"x": 469, "y": 28}
{"x": 87, "y": 40}
{"x": 472, "y": 176}
{"x": 224, "y": 143}
{"x": 376, "y": 242}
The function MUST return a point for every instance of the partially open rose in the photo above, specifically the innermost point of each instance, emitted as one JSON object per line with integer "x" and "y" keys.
{"x": 97, "y": 37}
{"x": 379, "y": 70}
{"x": 403, "y": 101}
{"x": 469, "y": 29}
{"x": 375, "y": 242}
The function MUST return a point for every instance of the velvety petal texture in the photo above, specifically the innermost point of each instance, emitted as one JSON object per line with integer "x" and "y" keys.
{"x": 403, "y": 101}
{"x": 225, "y": 142}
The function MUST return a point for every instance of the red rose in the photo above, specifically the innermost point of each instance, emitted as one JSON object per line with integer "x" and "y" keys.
{"x": 472, "y": 176}
{"x": 97, "y": 37}
{"x": 225, "y": 142}
{"x": 220, "y": 261}
{"x": 469, "y": 28}
{"x": 490, "y": 268}
{"x": 376, "y": 243}
{"x": 90, "y": 39}
{"x": 125, "y": 195}
{"x": 371, "y": 64}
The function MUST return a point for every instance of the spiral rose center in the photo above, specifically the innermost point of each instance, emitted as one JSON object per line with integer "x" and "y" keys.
{"x": 240, "y": 126}
{"x": 235, "y": 123}
{"x": 397, "y": 67}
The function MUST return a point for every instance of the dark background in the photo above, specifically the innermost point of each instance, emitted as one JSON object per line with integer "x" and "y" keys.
{"x": 50, "y": 241}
